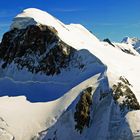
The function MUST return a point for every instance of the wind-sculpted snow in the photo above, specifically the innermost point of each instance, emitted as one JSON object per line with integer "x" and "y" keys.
{"x": 24, "y": 119}
{"x": 106, "y": 121}
{"x": 4, "y": 134}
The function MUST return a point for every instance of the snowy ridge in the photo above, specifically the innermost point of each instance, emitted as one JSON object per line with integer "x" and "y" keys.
{"x": 38, "y": 116}
{"x": 126, "y": 48}
{"x": 67, "y": 33}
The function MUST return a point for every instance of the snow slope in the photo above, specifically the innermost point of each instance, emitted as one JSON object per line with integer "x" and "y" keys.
{"x": 67, "y": 33}
{"x": 127, "y": 48}
{"x": 25, "y": 120}
{"x": 42, "y": 88}
{"x": 134, "y": 123}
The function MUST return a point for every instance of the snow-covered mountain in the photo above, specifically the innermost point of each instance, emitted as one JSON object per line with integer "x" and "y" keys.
{"x": 135, "y": 42}
{"x": 83, "y": 88}
{"x": 123, "y": 46}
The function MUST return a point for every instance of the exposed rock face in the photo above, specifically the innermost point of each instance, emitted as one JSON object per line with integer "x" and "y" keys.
{"x": 36, "y": 48}
{"x": 128, "y": 51}
{"x": 124, "y": 96}
{"x": 109, "y": 42}
{"x": 82, "y": 114}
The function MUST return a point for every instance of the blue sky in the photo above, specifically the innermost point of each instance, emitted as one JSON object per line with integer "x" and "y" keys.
{"x": 112, "y": 19}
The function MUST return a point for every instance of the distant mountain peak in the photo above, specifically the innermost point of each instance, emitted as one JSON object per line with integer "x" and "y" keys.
{"x": 129, "y": 40}
{"x": 126, "y": 40}
{"x": 135, "y": 42}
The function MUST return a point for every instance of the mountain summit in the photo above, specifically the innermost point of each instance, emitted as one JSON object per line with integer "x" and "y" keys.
{"x": 76, "y": 86}
{"x": 34, "y": 16}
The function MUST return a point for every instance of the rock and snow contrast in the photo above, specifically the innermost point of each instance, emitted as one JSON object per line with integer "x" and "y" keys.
{"x": 60, "y": 82}
{"x": 135, "y": 42}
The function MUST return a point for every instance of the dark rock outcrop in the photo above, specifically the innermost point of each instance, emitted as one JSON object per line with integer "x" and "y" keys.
{"x": 109, "y": 42}
{"x": 82, "y": 114}
{"x": 36, "y": 48}
{"x": 124, "y": 96}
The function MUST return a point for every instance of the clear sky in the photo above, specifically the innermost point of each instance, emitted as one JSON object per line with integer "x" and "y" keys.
{"x": 112, "y": 19}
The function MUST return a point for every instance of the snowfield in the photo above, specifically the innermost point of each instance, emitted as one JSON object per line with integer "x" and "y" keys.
{"x": 20, "y": 119}
{"x": 24, "y": 120}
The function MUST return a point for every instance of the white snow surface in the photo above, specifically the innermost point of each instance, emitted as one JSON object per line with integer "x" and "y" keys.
{"x": 134, "y": 122}
{"x": 72, "y": 34}
{"x": 24, "y": 120}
